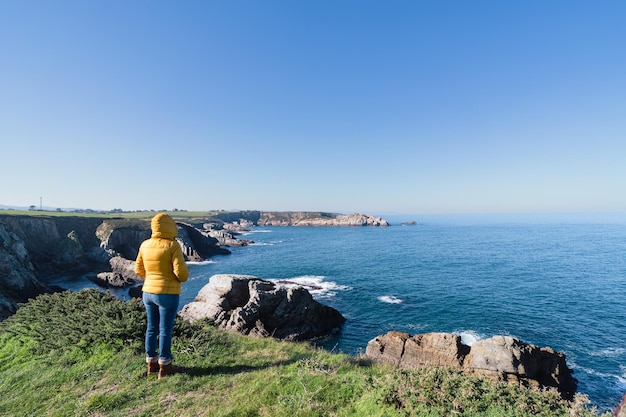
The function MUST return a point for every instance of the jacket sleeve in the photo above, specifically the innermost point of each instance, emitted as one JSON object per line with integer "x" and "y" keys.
{"x": 179, "y": 266}
{"x": 140, "y": 269}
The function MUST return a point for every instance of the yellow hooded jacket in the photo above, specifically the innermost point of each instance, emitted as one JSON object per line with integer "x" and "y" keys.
{"x": 160, "y": 260}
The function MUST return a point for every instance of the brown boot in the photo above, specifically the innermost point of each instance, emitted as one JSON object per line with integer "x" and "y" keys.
{"x": 153, "y": 365}
{"x": 169, "y": 369}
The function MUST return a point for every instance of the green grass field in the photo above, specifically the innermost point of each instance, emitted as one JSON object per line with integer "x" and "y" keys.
{"x": 121, "y": 214}
{"x": 80, "y": 354}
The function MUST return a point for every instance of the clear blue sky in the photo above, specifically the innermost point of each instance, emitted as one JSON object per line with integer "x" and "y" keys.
{"x": 342, "y": 106}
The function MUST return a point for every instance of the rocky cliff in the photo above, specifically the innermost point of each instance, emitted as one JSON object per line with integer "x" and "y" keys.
{"x": 18, "y": 278}
{"x": 35, "y": 250}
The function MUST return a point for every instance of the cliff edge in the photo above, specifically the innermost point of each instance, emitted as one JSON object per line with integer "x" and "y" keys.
{"x": 36, "y": 250}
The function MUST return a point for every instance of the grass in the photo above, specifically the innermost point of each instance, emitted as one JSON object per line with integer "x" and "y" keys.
{"x": 148, "y": 214}
{"x": 98, "y": 369}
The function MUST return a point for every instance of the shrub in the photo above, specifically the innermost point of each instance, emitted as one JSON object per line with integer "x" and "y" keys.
{"x": 78, "y": 319}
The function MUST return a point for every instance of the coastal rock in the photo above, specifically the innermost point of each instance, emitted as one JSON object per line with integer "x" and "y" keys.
{"x": 439, "y": 349}
{"x": 125, "y": 268}
{"x": 36, "y": 250}
{"x": 56, "y": 245}
{"x": 501, "y": 358}
{"x": 18, "y": 279}
{"x": 252, "y": 306}
{"x": 318, "y": 219}
{"x": 505, "y": 358}
{"x": 197, "y": 245}
{"x": 121, "y": 238}
{"x": 112, "y": 280}
{"x": 226, "y": 238}
{"x": 418, "y": 351}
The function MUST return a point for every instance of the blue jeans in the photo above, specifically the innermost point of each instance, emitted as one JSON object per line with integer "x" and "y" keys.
{"x": 161, "y": 310}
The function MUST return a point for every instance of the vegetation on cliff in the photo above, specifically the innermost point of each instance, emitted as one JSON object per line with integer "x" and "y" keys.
{"x": 80, "y": 354}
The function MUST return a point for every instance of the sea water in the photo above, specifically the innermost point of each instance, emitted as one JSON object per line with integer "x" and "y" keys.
{"x": 561, "y": 285}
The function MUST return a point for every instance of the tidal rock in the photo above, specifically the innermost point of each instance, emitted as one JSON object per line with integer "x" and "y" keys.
{"x": 254, "y": 306}
{"x": 112, "y": 280}
{"x": 500, "y": 358}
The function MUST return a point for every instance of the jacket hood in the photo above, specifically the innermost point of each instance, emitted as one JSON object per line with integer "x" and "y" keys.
{"x": 163, "y": 226}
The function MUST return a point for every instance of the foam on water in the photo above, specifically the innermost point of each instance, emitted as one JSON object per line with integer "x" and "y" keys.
{"x": 593, "y": 372}
{"x": 207, "y": 262}
{"x": 315, "y": 284}
{"x": 622, "y": 377}
{"x": 469, "y": 337}
{"x": 390, "y": 299}
{"x": 610, "y": 352}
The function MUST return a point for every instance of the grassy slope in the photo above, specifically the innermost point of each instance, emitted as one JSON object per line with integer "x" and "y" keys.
{"x": 80, "y": 354}
{"x": 126, "y": 215}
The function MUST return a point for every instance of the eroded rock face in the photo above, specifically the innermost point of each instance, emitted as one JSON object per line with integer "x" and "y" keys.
{"x": 18, "y": 279}
{"x": 35, "y": 250}
{"x": 198, "y": 245}
{"x": 253, "y": 306}
{"x": 508, "y": 359}
{"x": 55, "y": 245}
{"x": 501, "y": 358}
{"x": 419, "y": 351}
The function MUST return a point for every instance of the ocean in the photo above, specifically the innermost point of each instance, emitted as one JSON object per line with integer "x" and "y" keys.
{"x": 557, "y": 284}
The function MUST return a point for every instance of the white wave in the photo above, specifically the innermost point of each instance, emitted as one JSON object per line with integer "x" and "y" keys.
{"x": 469, "y": 337}
{"x": 622, "y": 378}
{"x": 257, "y": 231}
{"x": 201, "y": 262}
{"x": 261, "y": 244}
{"x": 315, "y": 284}
{"x": 594, "y": 372}
{"x": 390, "y": 299}
{"x": 413, "y": 328}
{"x": 609, "y": 352}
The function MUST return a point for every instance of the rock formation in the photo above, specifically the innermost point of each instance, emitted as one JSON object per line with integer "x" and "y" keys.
{"x": 18, "y": 278}
{"x": 198, "y": 245}
{"x": 501, "y": 358}
{"x": 318, "y": 219}
{"x": 35, "y": 250}
{"x": 254, "y": 306}
{"x": 112, "y": 279}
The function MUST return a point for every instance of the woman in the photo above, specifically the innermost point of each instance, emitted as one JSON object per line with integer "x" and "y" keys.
{"x": 161, "y": 263}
